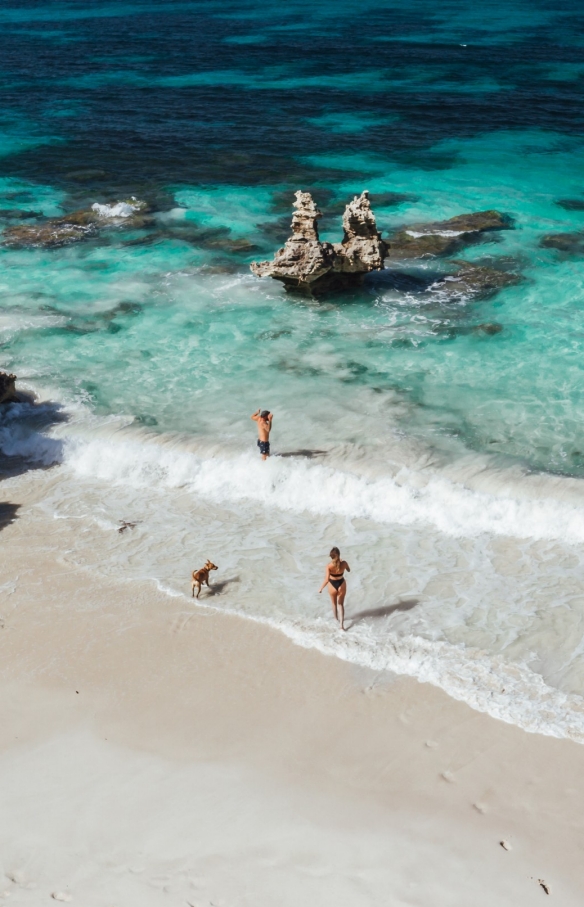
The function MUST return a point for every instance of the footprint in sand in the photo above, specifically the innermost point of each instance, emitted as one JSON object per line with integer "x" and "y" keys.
{"x": 17, "y": 876}
{"x": 60, "y": 896}
{"x": 179, "y": 623}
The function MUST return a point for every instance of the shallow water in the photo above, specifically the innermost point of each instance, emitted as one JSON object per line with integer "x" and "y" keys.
{"x": 446, "y": 462}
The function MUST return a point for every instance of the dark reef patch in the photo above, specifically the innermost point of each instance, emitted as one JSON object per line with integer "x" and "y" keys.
{"x": 571, "y": 243}
{"x": 571, "y": 204}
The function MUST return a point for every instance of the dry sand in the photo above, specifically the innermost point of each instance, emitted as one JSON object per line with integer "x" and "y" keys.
{"x": 157, "y": 754}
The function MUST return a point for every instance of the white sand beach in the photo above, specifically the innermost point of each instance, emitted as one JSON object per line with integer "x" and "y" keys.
{"x": 153, "y": 753}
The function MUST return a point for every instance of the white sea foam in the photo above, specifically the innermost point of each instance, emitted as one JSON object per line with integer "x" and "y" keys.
{"x": 298, "y": 485}
{"x": 14, "y": 322}
{"x": 142, "y": 460}
{"x": 120, "y": 209}
{"x": 418, "y": 234}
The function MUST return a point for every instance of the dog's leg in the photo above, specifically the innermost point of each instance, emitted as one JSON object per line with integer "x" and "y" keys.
{"x": 199, "y": 590}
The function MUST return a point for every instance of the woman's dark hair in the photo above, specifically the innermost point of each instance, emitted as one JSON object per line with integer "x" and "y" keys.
{"x": 265, "y": 413}
{"x": 335, "y": 554}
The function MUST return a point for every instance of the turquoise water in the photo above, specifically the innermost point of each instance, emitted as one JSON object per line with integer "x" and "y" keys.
{"x": 447, "y": 459}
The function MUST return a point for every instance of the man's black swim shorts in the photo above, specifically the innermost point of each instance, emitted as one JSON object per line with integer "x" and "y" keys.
{"x": 264, "y": 447}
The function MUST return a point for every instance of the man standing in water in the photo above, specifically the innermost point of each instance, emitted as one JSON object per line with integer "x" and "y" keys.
{"x": 264, "y": 421}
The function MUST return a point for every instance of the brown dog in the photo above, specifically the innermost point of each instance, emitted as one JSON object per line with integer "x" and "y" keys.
{"x": 202, "y": 576}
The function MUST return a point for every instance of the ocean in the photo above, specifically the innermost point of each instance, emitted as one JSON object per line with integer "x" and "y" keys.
{"x": 445, "y": 459}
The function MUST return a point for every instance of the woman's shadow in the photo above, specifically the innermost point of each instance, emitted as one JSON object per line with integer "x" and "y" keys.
{"x": 385, "y": 611}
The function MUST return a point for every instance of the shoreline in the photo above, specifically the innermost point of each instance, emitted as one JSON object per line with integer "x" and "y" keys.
{"x": 308, "y": 778}
{"x": 269, "y": 579}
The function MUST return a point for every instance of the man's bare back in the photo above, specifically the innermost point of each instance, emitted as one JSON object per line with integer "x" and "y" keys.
{"x": 264, "y": 421}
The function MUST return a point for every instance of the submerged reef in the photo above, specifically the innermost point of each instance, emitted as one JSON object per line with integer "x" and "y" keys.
{"x": 572, "y": 243}
{"x": 7, "y": 388}
{"x": 75, "y": 226}
{"x": 307, "y": 265}
{"x": 475, "y": 280}
{"x": 444, "y": 237}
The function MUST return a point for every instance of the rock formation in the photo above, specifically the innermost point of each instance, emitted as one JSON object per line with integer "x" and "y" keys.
{"x": 76, "y": 226}
{"x": 444, "y": 237}
{"x": 307, "y": 265}
{"x": 362, "y": 249}
{"x": 7, "y": 388}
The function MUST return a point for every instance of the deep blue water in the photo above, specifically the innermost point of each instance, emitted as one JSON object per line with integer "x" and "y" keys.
{"x": 202, "y": 92}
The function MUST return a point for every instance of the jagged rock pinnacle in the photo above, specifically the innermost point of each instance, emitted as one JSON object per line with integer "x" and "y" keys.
{"x": 310, "y": 266}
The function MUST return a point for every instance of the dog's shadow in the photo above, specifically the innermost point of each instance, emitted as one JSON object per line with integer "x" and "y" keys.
{"x": 384, "y": 611}
{"x": 218, "y": 588}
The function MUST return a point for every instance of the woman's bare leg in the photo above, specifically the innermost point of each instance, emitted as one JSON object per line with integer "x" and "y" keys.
{"x": 341, "y": 604}
{"x": 334, "y": 594}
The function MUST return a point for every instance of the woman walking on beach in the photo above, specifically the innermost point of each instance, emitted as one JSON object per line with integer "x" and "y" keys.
{"x": 337, "y": 585}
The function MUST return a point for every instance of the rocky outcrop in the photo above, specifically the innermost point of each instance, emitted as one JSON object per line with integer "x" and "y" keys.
{"x": 56, "y": 231}
{"x": 7, "y": 388}
{"x": 307, "y": 265}
{"x": 444, "y": 237}
{"x": 362, "y": 249}
{"x": 74, "y": 227}
{"x": 304, "y": 260}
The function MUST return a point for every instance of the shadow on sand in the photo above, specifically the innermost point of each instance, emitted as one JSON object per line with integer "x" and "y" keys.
{"x": 218, "y": 588}
{"x": 384, "y": 611}
{"x": 8, "y": 513}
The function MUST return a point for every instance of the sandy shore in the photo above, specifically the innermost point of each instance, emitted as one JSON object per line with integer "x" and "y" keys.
{"x": 155, "y": 753}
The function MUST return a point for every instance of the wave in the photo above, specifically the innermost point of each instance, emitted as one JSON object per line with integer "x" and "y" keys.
{"x": 300, "y": 485}
{"x": 534, "y": 507}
